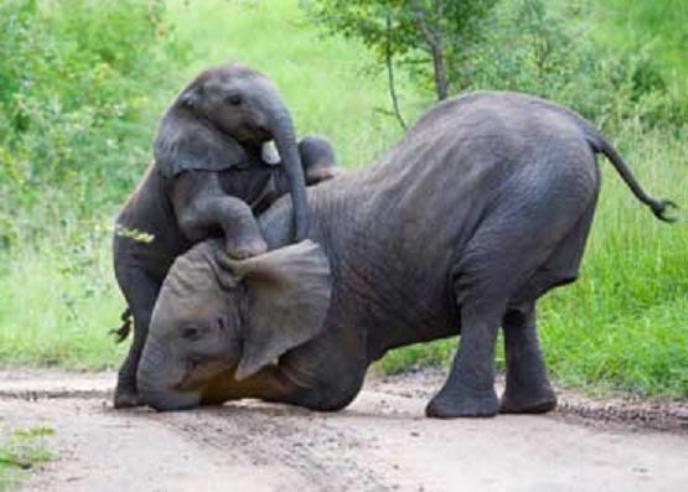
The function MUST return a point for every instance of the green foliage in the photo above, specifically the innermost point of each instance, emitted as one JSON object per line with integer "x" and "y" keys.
{"x": 546, "y": 48}
{"x": 433, "y": 39}
{"x": 551, "y": 50}
{"x": 74, "y": 86}
{"x": 21, "y": 450}
{"x": 655, "y": 26}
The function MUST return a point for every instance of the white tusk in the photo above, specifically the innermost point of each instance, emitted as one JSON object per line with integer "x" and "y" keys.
{"x": 269, "y": 153}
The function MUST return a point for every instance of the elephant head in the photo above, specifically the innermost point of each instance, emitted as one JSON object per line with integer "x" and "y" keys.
{"x": 215, "y": 315}
{"x": 243, "y": 104}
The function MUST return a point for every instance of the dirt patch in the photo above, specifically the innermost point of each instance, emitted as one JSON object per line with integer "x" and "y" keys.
{"x": 668, "y": 416}
{"x": 381, "y": 442}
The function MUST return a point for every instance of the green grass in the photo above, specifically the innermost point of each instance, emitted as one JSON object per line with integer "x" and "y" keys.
{"x": 623, "y": 325}
{"x": 20, "y": 451}
{"x": 60, "y": 300}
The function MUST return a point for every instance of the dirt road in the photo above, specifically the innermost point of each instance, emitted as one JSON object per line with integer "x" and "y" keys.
{"x": 381, "y": 442}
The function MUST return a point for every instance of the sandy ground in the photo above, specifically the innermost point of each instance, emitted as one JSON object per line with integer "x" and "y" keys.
{"x": 381, "y": 442}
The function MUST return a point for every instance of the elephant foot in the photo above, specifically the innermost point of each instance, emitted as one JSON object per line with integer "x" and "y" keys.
{"x": 462, "y": 402}
{"x": 240, "y": 250}
{"x": 126, "y": 398}
{"x": 320, "y": 174}
{"x": 530, "y": 400}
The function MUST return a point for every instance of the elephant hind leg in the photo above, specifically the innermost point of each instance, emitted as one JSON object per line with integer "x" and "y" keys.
{"x": 469, "y": 389}
{"x": 527, "y": 388}
{"x": 484, "y": 281}
{"x": 563, "y": 263}
{"x": 509, "y": 257}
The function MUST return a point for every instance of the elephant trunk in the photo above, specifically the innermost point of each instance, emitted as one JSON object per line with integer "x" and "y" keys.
{"x": 157, "y": 377}
{"x": 285, "y": 140}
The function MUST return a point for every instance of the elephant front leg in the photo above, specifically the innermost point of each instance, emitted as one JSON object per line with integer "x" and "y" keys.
{"x": 527, "y": 388}
{"x": 140, "y": 292}
{"x": 302, "y": 378}
{"x": 469, "y": 390}
{"x": 242, "y": 235}
{"x": 202, "y": 208}
{"x": 270, "y": 384}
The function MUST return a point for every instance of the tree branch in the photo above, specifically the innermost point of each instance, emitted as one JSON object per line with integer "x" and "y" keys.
{"x": 434, "y": 39}
{"x": 390, "y": 72}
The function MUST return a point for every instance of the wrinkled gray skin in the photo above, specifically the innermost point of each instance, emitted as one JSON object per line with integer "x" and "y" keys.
{"x": 209, "y": 178}
{"x": 483, "y": 207}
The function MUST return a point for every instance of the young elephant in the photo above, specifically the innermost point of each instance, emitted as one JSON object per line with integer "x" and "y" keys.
{"x": 483, "y": 207}
{"x": 209, "y": 178}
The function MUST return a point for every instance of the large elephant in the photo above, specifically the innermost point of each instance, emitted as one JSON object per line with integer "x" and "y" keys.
{"x": 209, "y": 177}
{"x": 483, "y": 207}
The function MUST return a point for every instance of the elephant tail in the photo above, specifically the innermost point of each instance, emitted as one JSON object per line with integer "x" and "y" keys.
{"x": 659, "y": 207}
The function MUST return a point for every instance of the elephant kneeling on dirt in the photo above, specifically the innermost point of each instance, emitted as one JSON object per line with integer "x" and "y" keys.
{"x": 483, "y": 207}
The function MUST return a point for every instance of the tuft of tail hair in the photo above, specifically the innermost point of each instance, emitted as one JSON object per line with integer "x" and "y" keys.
{"x": 123, "y": 331}
{"x": 661, "y": 208}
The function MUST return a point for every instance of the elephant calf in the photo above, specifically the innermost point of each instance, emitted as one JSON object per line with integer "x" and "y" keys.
{"x": 483, "y": 207}
{"x": 209, "y": 178}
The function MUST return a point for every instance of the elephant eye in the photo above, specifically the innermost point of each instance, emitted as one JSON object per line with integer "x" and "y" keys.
{"x": 191, "y": 333}
{"x": 233, "y": 99}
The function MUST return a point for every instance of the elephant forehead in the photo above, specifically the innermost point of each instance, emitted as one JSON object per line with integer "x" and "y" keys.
{"x": 193, "y": 313}
{"x": 236, "y": 70}
{"x": 237, "y": 80}
{"x": 221, "y": 83}
{"x": 198, "y": 309}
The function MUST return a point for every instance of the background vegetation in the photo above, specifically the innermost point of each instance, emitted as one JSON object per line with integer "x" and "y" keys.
{"x": 82, "y": 84}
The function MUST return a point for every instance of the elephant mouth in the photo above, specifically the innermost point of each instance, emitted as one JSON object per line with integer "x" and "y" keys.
{"x": 165, "y": 400}
{"x": 262, "y": 133}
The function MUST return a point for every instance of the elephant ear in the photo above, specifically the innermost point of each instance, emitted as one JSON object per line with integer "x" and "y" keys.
{"x": 288, "y": 294}
{"x": 186, "y": 144}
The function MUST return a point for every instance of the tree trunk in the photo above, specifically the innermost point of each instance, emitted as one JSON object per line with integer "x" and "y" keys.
{"x": 390, "y": 73}
{"x": 439, "y": 66}
{"x": 432, "y": 32}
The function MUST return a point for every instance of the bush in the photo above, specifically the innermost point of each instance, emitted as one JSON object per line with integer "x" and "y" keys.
{"x": 552, "y": 51}
{"x": 75, "y": 90}
{"x": 81, "y": 83}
